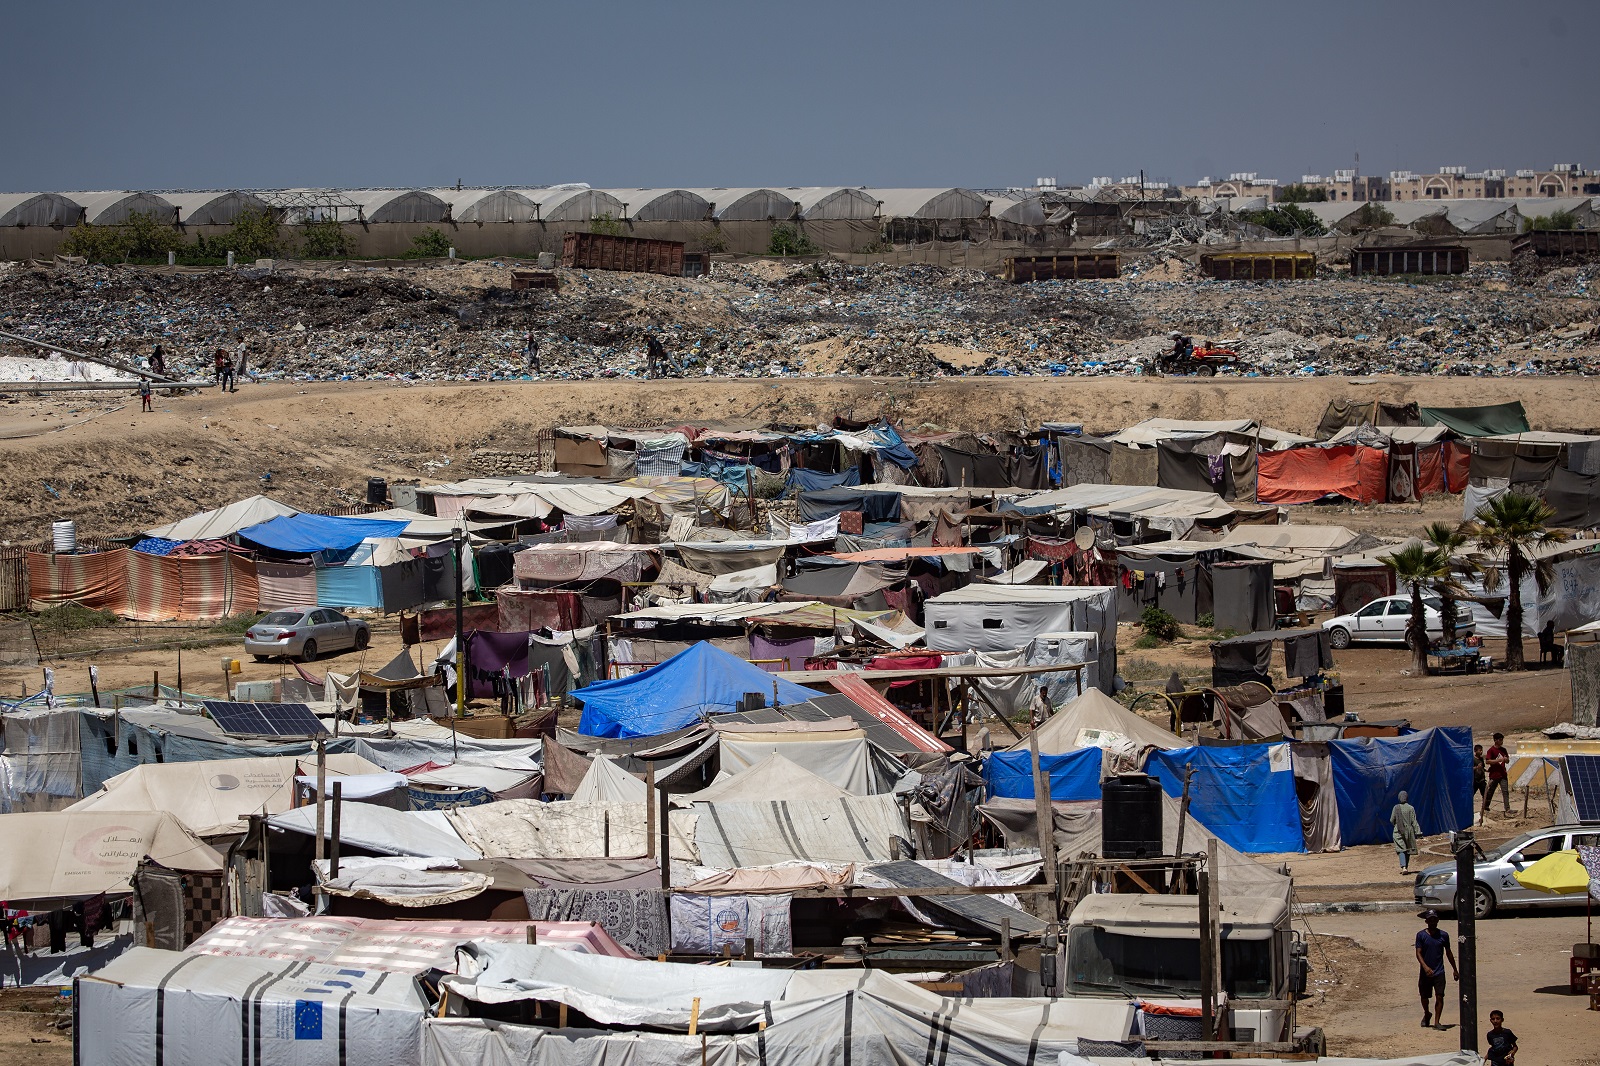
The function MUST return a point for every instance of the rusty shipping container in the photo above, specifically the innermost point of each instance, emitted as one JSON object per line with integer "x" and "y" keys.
{"x": 601, "y": 251}
{"x": 1259, "y": 266}
{"x": 1409, "y": 259}
{"x": 1564, "y": 241}
{"x": 1064, "y": 267}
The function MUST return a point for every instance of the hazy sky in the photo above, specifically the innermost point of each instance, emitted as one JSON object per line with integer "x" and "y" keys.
{"x": 663, "y": 93}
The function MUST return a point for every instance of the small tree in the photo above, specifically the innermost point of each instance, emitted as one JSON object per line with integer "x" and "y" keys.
{"x": 1297, "y": 193}
{"x": 141, "y": 237}
{"x": 1554, "y": 220}
{"x": 255, "y": 235}
{"x": 1158, "y": 624}
{"x": 1373, "y": 215}
{"x": 1417, "y": 565}
{"x": 606, "y": 225}
{"x": 325, "y": 239}
{"x": 1448, "y": 539}
{"x": 431, "y": 243}
{"x": 1286, "y": 220}
{"x": 788, "y": 240}
{"x": 1508, "y": 528}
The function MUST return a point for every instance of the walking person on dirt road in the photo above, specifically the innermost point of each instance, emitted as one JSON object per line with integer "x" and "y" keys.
{"x": 144, "y": 395}
{"x": 1403, "y": 819}
{"x": 1433, "y": 948}
{"x": 1497, "y": 758}
{"x": 1480, "y": 772}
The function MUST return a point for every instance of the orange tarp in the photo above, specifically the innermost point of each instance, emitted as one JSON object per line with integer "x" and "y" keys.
{"x": 1300, "y": 475}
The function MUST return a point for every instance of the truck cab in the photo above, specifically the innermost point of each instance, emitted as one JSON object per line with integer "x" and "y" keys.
{"x": 1147, "y": 947}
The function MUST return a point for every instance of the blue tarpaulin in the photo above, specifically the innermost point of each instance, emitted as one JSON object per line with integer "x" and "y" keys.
{"x": 1433, "y": 767}
{"x": 349, "y": 586}
{"x": 803, "y": 480}
{"x": 1073, "y": 776}
{"x": 697, "y": 681}
{"x": 1245, "y": 795}
{"x": 309, "y": 533}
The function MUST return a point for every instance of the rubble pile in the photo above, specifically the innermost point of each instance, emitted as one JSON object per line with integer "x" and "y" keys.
{"x": 463, "y": 321}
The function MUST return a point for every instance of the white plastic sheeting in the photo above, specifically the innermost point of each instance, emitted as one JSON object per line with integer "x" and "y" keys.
{"x": 853, "y": 829}
{"x": 383, "y": 830}
{"x": 606, "y": 782}
{"x": 61, "y": 854}
{"x": 994, "y": 618}
{"x": 617, "y": 991}
{"x": 842, "y": 758}
{"x": 194, "y": 1010}
{"x": 529, "y": 829}
{"x": 774, "y": 777}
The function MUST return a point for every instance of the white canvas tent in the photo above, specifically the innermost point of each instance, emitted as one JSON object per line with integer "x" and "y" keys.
{"x": 608, "y": 782}
{"x": 840, "y": 757}
{"x": 223, "y": 521}
{"x": 774, "y": 777}
{"x": 1063, "y": 731}
{"x": 153, "y": 1006}
{"x": 63, "y": 855}
{"x": 212, "y": 796}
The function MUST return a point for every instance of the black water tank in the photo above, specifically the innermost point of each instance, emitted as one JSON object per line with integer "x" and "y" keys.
{"x": 1130, "y": 818}
{"x": 377, "y": 490}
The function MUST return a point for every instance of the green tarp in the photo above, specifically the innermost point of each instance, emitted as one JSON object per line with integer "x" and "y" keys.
{"x": 1487, "y": 421}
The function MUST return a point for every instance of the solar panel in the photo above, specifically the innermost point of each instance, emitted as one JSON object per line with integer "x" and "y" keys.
{"x": 1584, "y": 773}
{"x": 264, "y": 719}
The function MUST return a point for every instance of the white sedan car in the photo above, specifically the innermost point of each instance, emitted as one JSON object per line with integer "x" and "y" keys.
{"x": 1385, "y": 620}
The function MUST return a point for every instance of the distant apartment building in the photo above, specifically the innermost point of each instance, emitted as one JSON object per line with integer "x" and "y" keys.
{"x": 1348, "y": 186}
{"x": 1131, "y": 189}
{"x": 1243, "y": 183}
{"x": 1563, "y": 179}
{"x": 1450, "y": 183}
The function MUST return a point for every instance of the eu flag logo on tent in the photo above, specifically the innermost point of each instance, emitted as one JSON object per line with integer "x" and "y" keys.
{"x": 307, "y": 1019}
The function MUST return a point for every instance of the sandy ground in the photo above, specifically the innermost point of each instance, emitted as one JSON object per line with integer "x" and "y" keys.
{"x": 99, "y": 460}
{"x": 28, "y": 1036}
{"x": 1364, "y": 990}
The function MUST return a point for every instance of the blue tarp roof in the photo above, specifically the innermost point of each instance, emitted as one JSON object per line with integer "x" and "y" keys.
{"x": 1245, "y": 795}
{"x": 309, "y": 533}
{"x": 1073, "y": 776}
{"x": 1433, "y": 766}
{"x": 697, "y": 681}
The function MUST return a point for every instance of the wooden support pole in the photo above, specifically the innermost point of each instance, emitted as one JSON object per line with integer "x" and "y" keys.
{"x": 649, "y": 810}
{"x": 1043, "y": 812}
{"x": 1183, "y": 818}
{"x": 1208, "y": 980}
{"x": 1214, "y": 930}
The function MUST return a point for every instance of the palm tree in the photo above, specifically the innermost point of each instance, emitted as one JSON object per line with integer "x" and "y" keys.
{"x": 1417, "y": 565}
{"x": 1450, "y": 540}
{"x": 1509, "y": 528}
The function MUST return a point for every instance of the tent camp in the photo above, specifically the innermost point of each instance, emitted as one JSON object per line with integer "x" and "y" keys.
{"x": 698, "y": 681}
{"x": 988, "y": 618}
{"x": 65, "y": 855}
{"x": 1097, "y": 714}
{"x": 213, "y": 796}
{"x": 774, "y": 777}
{"x": 223, "y": 521}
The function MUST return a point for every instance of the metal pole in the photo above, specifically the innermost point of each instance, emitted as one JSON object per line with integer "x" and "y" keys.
{"x": 1466, "y": 937}
{"x": 461, "y": 652}
{"x": 322, "y": 785}
{"x": 333, "y": 849}
{"x": 649, "y": 809}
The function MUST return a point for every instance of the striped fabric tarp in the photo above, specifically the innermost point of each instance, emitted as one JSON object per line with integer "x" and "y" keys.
{"x": 98, "y": 581}
{"x": 285, "y": 585}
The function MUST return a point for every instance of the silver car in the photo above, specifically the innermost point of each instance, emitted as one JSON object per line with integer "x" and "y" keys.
{"x": 1385, "y": 620}
{"x": 304, "y": 634}
{"x": 1494, "y": 878}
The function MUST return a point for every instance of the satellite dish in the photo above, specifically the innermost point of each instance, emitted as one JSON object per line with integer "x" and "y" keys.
{"x": 1084, "y": 538}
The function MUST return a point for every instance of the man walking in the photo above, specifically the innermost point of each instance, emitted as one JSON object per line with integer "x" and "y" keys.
{"x": 1433, "y": 948}
{"x": 530, "y": 352}
{"x": 1403, "y": 821}
{"x": 1497, "y": 759}
{"x": 144, "y": 395}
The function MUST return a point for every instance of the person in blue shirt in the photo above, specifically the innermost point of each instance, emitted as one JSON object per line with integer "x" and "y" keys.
{"x": 1433, "y": 948}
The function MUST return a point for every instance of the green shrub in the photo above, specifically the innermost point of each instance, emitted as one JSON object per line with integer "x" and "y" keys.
{"x": 788, "y": 240}
{"x": 605, "y": 224}
{"x": 1158, "y": 624}
{"x": 431, "y": 243}
{"x": 70, "y": 616}
{"x": 1206, "y": 621}
{"x": 141, "y": 239}
{"x": 1147, "y": 642}
{"x": 325, "y": 240}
